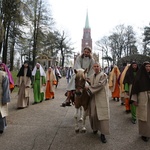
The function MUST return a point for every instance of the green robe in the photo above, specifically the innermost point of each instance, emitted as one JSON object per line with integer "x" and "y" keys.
{"x": 37, "y": 85}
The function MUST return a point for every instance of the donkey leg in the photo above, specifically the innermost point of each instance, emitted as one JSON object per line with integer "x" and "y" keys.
{"x": 81, "y": 114}
{"x": 83, "y": 129}
{"x": 76, "y": 121}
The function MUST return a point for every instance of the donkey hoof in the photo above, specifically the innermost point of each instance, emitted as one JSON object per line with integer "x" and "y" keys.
{"x": 77, "y": 130}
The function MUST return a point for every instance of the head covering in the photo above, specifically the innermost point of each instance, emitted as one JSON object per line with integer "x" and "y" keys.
{"x": 142, "y": 80}
{"x": 122, "y": 75}
{"x": 129, "y": 76}
{"x": 114, "y": 73}
{"x": 21, "y": 71}
{"x": 8, "y": 73}
{"x": 42, "y": 72}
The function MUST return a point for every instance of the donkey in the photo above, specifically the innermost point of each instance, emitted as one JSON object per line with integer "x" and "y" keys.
{"x": 81, "y": 98}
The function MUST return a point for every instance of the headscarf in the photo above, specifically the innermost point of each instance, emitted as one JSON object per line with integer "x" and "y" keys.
{"x": 8, "y": 73}
{"x": 42, "y": 72}
{"x": 122, "y": 75}
{"x": 142, "y": 80}
{"x": 129, "y": 77}
{"x": 21, "y": 71}
{"x": 115, "y": 72}
{"x": 50, "y": 76}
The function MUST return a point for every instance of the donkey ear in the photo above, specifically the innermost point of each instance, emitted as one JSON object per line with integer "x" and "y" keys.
{"x": 85, "y": 71}
{"x": 75, "y": 71}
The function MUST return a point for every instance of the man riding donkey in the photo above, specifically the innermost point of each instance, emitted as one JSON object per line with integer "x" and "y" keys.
{"x": 83, "y": 61}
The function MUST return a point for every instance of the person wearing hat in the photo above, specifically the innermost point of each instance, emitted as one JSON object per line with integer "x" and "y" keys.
{"x": 24, "y": 84}
{"x": 140, "y": 95}
{"x": 83, "y": 61}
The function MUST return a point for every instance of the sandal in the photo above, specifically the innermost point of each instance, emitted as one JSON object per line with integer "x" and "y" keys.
{"x": 68, "y": 104}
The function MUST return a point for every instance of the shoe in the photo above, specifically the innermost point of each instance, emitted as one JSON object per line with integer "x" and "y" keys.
{"x": 53, "y": 97}
{"x": 144, "y": 138}
{"x": 122, "y": 103}
{"x": 1, "y": 132}
{"x": 63, "y": 104}
{"x": 68, "y": 104}
{"x": 133, "y": 121}
{"x": 46, "y": 99}
{"x": 34, "y": 103}
{"x": 128, "y": 111}
{"x": 95, "y": 132}
{"x": 21, "y": 107}
{"x": 103, "y": 139}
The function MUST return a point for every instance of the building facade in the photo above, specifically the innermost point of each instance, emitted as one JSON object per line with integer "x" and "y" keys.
{"x": 86, "y": 40}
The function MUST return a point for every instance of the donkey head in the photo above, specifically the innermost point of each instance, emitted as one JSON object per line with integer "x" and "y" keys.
{"x": 80, "y": 80}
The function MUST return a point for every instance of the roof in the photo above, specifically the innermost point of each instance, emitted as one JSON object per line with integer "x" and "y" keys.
{"x": 87, "y": 21}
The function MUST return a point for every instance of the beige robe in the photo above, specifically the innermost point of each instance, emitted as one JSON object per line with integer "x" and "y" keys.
{"x": 143, "y": 112}
{"x": 99, "y": 111}
{"x": 23, "y": 93}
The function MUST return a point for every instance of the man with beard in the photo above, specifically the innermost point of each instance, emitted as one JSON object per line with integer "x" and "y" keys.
{"x": 83, "y": 61}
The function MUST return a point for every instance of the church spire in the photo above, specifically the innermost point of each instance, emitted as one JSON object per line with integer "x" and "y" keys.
{"x": 87, "y": 21}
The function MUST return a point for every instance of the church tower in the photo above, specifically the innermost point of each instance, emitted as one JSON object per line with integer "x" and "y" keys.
{"x": 86, "y": 40}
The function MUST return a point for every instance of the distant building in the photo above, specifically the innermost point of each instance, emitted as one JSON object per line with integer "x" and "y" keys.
{"x": 46, "y": 61}
{"x": 86, "y": 40}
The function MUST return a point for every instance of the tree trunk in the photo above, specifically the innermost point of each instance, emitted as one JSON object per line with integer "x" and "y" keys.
{"x": 5, "y": 45}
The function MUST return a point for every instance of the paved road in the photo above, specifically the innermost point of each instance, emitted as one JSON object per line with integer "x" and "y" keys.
{"x": 47, "y": 126}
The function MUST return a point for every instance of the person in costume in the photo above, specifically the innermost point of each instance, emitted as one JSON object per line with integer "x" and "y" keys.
{"x": 99, "y": 112}
{"x": 69, "y": 74}
{"x": 124, "y": 97}
{"x": 57, "y": 75}
{"x": 4, "y": 99}
{"x": 140, "y": 95}
{"x": 39, "y": 83}
{"x": 114, "y": 84}
{"x": 24, "y": 84}
{"x": 50, "y": 83}
{"x": 11, "y": 81}
{"x": 83, "y": 61}
{"x": 128, "y": 81}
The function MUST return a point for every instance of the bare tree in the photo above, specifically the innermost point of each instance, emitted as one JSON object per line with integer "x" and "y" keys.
{"x": 103, "y": 46}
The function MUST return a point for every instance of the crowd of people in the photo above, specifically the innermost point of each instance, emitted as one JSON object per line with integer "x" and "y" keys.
{"x": 130, "y": 86}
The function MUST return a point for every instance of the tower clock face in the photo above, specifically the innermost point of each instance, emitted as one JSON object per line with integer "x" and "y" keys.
{"x": 86, "y": 43}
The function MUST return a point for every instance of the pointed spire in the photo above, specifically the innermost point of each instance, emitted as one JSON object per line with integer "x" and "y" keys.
{"x": 87, "y": 20}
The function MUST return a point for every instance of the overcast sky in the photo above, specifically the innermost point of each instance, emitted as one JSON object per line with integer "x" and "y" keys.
{"x": 104, "y": 15}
